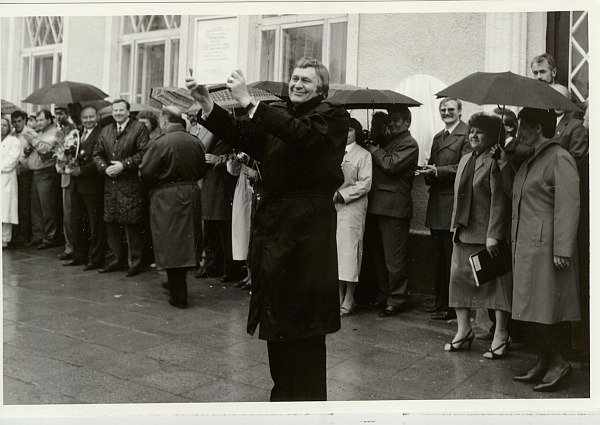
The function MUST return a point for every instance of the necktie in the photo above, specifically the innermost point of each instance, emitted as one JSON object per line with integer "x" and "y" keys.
{"x": 465, "y": 193}
{"x": 446, "y": 134}
{"x": 86, "y": 133}
{"x": 119, "y": 130}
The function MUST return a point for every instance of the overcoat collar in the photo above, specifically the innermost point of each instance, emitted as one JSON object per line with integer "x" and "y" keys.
{"x": 173, "y": 128}
{"x": 460, "y": 130}
{"x": 302, "y": 108}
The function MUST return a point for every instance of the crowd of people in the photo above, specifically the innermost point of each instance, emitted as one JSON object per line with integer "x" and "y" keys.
{"x": 284, "y": 198}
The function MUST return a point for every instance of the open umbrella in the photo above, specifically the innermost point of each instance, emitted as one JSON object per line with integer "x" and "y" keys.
{"x": 506, "y": 88}
{"x": 335, "y": 88}
{"x": 372, "y": 99}
{"x": 281, "y": 90}
{"x": 65, "y": 92}
{"x": 9, "y": 107}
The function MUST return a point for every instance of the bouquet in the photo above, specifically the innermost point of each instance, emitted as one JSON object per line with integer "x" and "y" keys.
{"x": 68, "y": 155}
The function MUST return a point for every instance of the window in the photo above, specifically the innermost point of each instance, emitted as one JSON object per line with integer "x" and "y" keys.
{"x": 149, "y": 56}
{"x": 286, "y": 38}
{"x": 41, "y": 55}
{"x": 579, "y": 73}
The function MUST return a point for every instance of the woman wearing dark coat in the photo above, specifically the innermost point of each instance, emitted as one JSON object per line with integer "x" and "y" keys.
{"x": 480, "y": 220}
{"x": 545, "y": 217}
{"x": 294, "y": 256}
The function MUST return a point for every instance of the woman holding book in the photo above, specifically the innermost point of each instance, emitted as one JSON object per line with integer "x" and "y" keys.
{"x": 480, "y": 221}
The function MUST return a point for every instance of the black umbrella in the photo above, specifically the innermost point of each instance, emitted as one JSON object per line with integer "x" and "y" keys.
{"x": 281, "y": 90}
{"x": 372, "y": 99}
{"x": 506, "y": 88}
{"x": 9, "y": 107}
{"x": 65, "y": 92}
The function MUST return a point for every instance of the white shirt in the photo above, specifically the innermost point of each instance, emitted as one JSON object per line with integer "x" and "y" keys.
{"x": 121, "y": 127}
{"x": 350, "y": 146}
{"x": 451, "y": 129}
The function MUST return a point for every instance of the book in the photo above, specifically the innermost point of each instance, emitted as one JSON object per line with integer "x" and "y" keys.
{"x": 486, "y": 268}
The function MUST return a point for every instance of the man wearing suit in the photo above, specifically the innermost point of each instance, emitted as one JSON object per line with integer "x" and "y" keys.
{"x": 390, "y": 208}
{"x": 449, "y": 145}
{"x": 65, "y": 127}
{"x": 570, "y": 132}
{"x": 118, "y": 153}
{"x": 87, "y": 199}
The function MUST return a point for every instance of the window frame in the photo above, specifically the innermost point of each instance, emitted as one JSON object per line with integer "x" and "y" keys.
{"x": 279, "y": 24}
{"x": 165, "y": 36}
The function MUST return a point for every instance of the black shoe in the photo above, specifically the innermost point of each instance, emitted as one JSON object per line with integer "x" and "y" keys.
{"x": 166, "y": 286}
{"x": 444, "y": 315}
{"x": 32, "y": 243}
{"x": 377, "y": 305}
{"x": 460, "y": 344}
{"x": 110, "y": 268}
{"x": 201, "y": 274}
{"x": 46, "y": 245}
{"x": 180, "y": 305}
{"x": 390, "y": 311}
{"x": 133, "y": 271}
{"x": 91, "y": 266}
{"x": 247, "y": 286}
{"x": 65, "y": 256}
{"x": 228, "y": 278}
{"x": 556, "y": 382}
{"x": 433, "y": 309}
{"x": 73, "y": 262}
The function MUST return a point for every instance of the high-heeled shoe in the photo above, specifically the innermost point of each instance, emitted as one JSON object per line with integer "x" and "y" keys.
{"x": 493, "y": 354}
{"x": 556, "y": 382}
{"x": 459, "y": 345}
{"x": 347, "y": 311}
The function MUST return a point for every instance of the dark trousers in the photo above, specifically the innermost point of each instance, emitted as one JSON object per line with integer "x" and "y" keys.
{"x": 298, "y": 369}
{"x": 442, "y": 260}
{"x": 117, "y": 235}
{"x": 22, "y": 232}
{"x": 390, "y": 248}
{"x": 87, "y": 227}
{"x": 46, "y": 205}
{"x": 178, "y": 284}
{"x": 217, "y": 247}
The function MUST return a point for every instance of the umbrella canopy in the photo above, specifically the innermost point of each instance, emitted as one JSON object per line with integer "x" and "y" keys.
{"x": 372, "y": 99}
{"x": 506, "y": 88}
{"x": 224, "y": 98}
{"x": 65, "y": 92}
{"x": 135, "y": 107}
{"x": 9, "y": 107}
{"x": 281, "y": 90}
{"x": 335, "y": 88}
{"x": 172, "y": 96}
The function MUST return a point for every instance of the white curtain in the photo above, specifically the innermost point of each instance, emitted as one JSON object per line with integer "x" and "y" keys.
{"x": 426, "y": 121}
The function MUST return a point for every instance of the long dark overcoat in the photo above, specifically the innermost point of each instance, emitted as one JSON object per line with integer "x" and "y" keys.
{"x": 123, "y": 193}
{"x": 171, "y": 166}
{"x": 294, "y": 253}
{"x": 544, "y": 224}
{"x": 445, "y": 154}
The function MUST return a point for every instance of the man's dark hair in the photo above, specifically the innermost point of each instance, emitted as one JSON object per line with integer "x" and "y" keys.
{"x": 544, "y": 57}
{"x": 509, "y": 118}
{"x": 491, "y": 125}
{"x": 544, "y": 117}
{"x": 127, "y": 105}
{"x": 88, "y": 107}
{"x": 170, "y": 116}
{"x": 47, "y": 114}
{"x": 150, "y": 116}
{"x": 403, "y": 111}
{"x": 379, "y": 123}
{"x": 320, "y": 70}
{"x": 19, "y": 114}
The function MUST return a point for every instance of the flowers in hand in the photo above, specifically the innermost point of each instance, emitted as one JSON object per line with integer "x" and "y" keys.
{"x": 67, "y": 154}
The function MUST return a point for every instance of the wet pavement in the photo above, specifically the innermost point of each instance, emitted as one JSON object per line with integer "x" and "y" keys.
{"x": 82, "y": 337}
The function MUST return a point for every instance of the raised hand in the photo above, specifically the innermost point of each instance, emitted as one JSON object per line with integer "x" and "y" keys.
{"x": 200, "y": 94}
{"x": 237, "y": 84}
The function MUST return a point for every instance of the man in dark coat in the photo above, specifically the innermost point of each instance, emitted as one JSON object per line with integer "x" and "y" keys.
{"x": 218, "y": 187}
{"x": 87, "y": 199}
{"x": 117, "y": 154}
{"x": 390, "y": 210}
{"x": 449, "y": 145}
{"x": 172, "y": 166}
{"x": 294, "y": 256}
